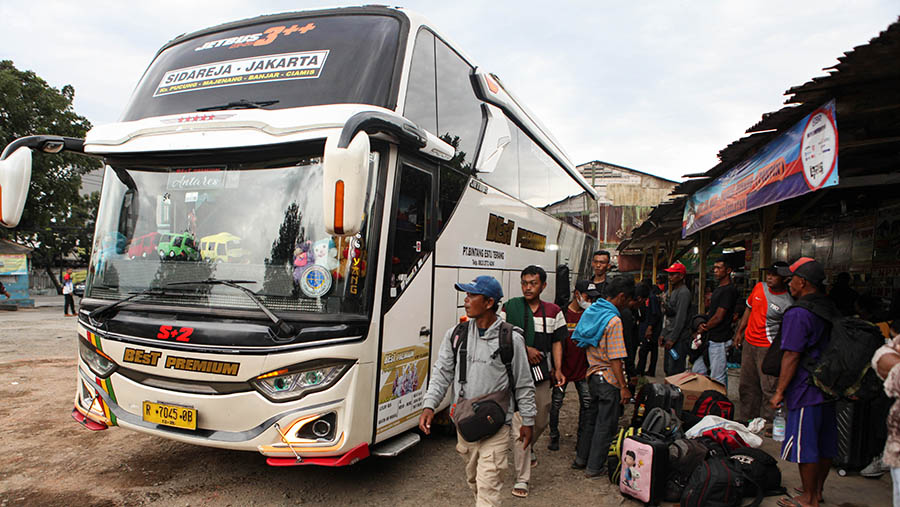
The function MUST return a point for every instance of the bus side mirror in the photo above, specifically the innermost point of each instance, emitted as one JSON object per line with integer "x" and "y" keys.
{"x": 15, "y": 176}
{"x": 345, "y": 183}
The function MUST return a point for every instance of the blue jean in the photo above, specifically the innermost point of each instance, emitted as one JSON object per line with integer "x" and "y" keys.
{"x": 717, "y": 360}
{"x": 557, "y": 397}
{"x": 601, "y": 422}
{"x": 675, "y": 366}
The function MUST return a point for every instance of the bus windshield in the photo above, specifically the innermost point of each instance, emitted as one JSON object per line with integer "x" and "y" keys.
{"x": 304, "y": 61}
{"x": 257, "y": 222}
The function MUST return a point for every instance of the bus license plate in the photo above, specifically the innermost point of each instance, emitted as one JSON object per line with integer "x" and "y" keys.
{"x": 170, "y": 415}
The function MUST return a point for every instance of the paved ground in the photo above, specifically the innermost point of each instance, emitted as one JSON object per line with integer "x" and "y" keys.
{"x": 48, "y": 459}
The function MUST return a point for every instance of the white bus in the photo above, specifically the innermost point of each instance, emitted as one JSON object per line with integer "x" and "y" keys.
{"x": 360, "y": 165}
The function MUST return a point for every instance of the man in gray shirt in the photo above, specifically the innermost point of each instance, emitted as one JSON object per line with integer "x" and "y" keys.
{"x": 487, "y": 459}
{"x": 676, "y": 333}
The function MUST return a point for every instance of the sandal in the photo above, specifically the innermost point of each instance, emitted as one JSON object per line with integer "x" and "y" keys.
{"x": 787, "y": 501}
{"x": 520, "y": 489}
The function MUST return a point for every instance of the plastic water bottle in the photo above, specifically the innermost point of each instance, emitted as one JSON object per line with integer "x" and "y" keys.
{"x": 778, "y": 425}
{"x": 674, "y": 354}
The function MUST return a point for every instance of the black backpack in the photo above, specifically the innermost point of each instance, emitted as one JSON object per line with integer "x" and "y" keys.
{"x": 843, "y": 369}
{"x": 663, "y": 423}
{"x": 717, "y": 482}
{"x": 761, "y": 468}
{"x": 685, "y": 454}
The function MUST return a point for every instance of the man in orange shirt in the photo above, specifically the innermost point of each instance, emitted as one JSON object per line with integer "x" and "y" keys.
{"x": 758, "y": 327}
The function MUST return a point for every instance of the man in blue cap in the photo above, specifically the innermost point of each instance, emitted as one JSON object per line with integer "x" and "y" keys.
{"x": 486, "y": 459}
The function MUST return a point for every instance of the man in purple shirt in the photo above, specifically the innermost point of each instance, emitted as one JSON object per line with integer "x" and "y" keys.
{"x": 810, "y": 438}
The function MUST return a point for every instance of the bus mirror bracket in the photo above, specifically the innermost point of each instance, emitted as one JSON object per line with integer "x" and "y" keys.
{"x": 346, "y": 162}
{"x": 345, "y": 182}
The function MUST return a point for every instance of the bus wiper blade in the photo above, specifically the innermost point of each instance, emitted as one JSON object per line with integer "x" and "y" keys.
{"x": 281, "y": 330}
{"x": 99, "y": 313}
{"x": 241, "y": 104}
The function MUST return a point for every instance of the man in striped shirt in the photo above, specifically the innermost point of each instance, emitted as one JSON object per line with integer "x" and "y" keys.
{"x": 544, "y": 329}
{"x": 600, "y": 332}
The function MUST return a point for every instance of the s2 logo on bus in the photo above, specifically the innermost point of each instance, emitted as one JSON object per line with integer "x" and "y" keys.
{"x": 180, "y": 334}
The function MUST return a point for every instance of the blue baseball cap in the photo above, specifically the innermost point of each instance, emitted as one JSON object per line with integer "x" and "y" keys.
{"x": 485, "y": 285}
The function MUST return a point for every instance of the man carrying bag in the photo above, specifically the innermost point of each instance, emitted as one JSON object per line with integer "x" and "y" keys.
{"x": 473, "y": 353}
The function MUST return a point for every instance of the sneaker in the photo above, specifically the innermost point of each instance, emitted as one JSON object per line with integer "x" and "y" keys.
{"x": 593, "y": 474}
{"x": 876, "y": 468}
{"x": 554, "y": 444}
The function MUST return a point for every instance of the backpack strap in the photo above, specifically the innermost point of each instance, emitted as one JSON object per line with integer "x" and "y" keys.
{"x": 460, "y": 345}
{"x": 505, "y": 350}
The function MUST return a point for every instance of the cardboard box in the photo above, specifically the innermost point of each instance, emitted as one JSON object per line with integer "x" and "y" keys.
{"x": 693, "y": 385}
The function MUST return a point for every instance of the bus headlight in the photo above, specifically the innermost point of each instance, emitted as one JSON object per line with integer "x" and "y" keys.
{"x": 296, "y": 382}
{"x": 99, "y": 363}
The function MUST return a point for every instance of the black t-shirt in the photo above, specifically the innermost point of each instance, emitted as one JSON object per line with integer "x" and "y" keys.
{"x": 725, "y": 296}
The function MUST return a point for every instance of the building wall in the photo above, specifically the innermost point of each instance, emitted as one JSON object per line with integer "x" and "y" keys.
{"x": 626, "y": 198}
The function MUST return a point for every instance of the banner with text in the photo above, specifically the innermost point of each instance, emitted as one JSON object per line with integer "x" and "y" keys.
{"x": 801, "y": 160}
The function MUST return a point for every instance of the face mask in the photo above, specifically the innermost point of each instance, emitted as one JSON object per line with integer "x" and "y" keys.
{"x": 584, "y": 304}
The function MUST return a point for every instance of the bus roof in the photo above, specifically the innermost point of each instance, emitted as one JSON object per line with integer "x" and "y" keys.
{"x": 412, "y": 21}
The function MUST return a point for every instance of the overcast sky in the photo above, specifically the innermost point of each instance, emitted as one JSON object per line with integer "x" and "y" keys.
{"x": 656, "y": 86}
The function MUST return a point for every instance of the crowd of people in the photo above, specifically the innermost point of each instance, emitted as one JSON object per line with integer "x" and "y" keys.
{"x": 610, "y": 333}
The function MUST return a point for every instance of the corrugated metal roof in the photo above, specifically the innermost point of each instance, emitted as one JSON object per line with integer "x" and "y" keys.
{"x": 865, "y": 84}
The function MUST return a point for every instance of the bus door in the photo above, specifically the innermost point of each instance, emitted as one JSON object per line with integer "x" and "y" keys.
{"x": 407, "y": 320}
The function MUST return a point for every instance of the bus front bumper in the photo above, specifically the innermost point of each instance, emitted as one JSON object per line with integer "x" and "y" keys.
{"x": 278, "y": 437}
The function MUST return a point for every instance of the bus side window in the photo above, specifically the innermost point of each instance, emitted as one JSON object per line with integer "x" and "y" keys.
{"x": 534, "y": 173}
{"x": 451, "y": 185}
{"x": 459, "y": 110}
{"x": 412, "y": 227}
{"x": 505, "y": 177}
{"x": 421, "y": 92}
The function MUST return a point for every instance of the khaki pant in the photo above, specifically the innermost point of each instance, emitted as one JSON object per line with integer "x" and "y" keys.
{"x": 756, "y": 388}
{"x": 486, "y": 460}
{"x": 522, "y": 456}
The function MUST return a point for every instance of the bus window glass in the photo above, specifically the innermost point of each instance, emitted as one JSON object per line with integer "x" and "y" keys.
{"x": 568, "y": 199}
{"x": 256, "y": 221}
{"x": 411, "y": 228}
{"x": 421, "y": 98}
{"x": 534, "y": 173}
{"x": 505, "y": 177}
{"x": 297, "y": 62}
{"x": 459, "y": 111}
{"x": 450, "y": 187}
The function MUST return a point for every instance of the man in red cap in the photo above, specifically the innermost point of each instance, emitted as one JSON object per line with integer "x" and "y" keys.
{"x": 676, "y": 333}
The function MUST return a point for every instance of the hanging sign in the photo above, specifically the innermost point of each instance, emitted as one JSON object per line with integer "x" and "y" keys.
{"x": 802, "y": 159}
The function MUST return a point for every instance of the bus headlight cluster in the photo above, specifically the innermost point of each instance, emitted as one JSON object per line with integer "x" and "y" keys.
{"x": 99, "y": 363}
{"x": 296, "y": 382}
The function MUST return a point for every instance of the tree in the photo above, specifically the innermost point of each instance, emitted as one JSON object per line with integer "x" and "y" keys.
{"x": 54, "y": 222}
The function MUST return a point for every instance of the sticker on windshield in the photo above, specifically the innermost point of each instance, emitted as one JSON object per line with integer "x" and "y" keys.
{"x": 315, "y": 281}
{"x": 281, "y": 67}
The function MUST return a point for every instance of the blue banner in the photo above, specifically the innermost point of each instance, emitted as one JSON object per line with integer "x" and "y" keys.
{"x": 802, "y": 159}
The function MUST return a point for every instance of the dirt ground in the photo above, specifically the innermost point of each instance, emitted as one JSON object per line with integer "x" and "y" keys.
{"x": 49, "y": 459}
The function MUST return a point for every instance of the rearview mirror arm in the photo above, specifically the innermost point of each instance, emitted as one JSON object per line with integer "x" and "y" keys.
{"x": 46, "y": 144}
{"x": 406, "y": 132}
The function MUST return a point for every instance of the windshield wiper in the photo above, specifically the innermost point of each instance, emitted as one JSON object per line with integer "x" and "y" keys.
{"x": 98, "y": 313}
{"x": 281, "y": 331}
{"x": 241, "y": 104}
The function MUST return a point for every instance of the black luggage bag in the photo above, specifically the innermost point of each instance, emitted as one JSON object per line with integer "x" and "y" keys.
{"x": 857, "y": 444}
{"x": 664, "y": 396}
